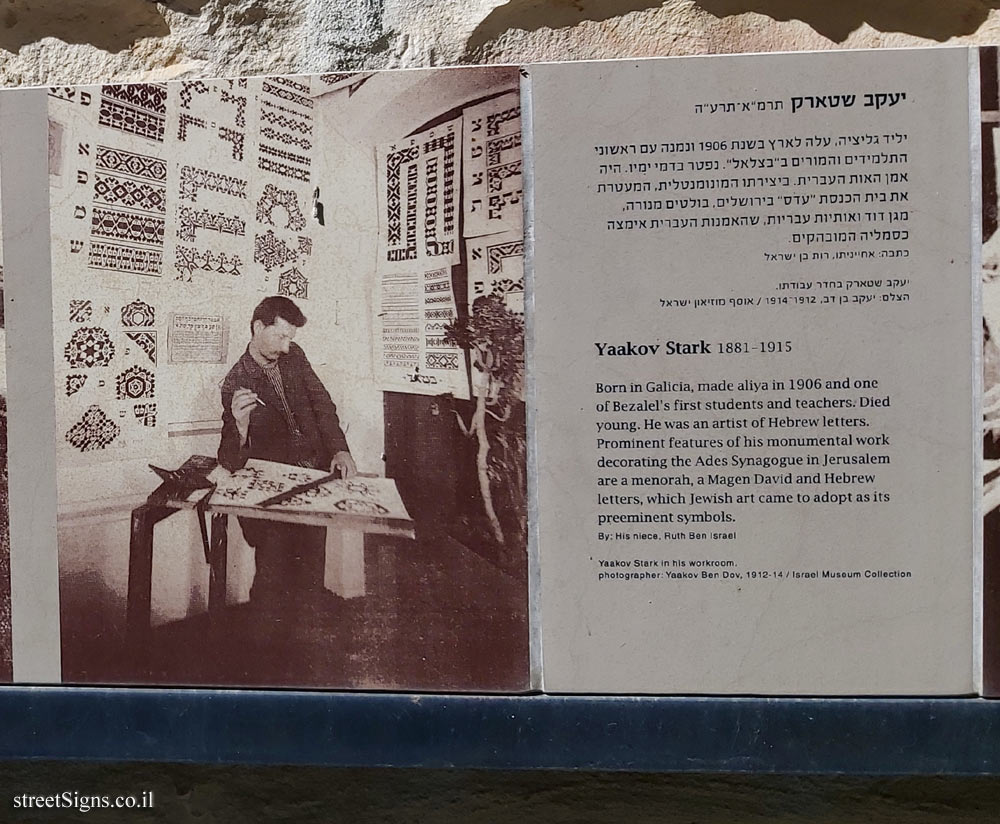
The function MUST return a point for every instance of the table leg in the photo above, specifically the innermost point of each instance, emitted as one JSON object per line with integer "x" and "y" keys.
{"x": 140, "y": 585}
{"x": 138, "y": 624}
{"x": 217, "y": 570}
{"x": 344, "y": 570}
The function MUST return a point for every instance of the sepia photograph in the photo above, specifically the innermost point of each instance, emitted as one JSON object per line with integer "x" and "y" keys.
{"x": 289, "y": 358}
{"x": 989, "y": 98}
{"x": 6, "y": 654}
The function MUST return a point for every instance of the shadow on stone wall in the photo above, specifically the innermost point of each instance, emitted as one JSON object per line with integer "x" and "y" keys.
{"x": 111, "y": 25}
{"x": 932, "y": 19}
{"x": 530, "y": 15}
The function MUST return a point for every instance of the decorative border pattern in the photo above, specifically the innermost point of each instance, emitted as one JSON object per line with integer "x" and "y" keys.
{"x": 338, "y": 77}
{"x": 442, "y": 360}
{"x": 287, "y": 94}
{"x": 496, "y": 254}
{"x": 293, "y": 172}
{"x": 286, "y": 199}
{"x": 138, "y": 108}
{"x": 291, "y": 157}
{"x": 286, "y": 122}
{"x": 292, "y": 84}
{"x": 194, "y": 179}
{"x": 126, "y": 226}
{"x": 130, "y": 163}
{"x": 394, "y": 201}
{"x": 190, "y": 221}
{"x": 115, "y": 257}
{"x": 131, "y": 194}
{"x": 287, "y": 139}
{"x": 188, "y": 260}
{"x": 146, "y": 341}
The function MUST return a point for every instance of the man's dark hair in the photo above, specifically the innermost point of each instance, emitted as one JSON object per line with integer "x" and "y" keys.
{"x": 274, "y": 307}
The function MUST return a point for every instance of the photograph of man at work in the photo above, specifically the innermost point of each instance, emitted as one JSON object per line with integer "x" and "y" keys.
{"x": 291, "y": 429}
{"x": 277, "y": 409}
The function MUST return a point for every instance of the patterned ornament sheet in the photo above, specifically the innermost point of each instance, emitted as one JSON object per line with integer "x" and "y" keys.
{"x": 128, "y": 210}
{"x": 284, "y": 186}
{"x": 108, "y": 206}
{"x": 106, "y": 373}
{"x": 411, "y": 352}
{"x": 492, "y": 167}
{"x": 496, "y": 267}
{"x": 259, "y": 480}
{"x": 165, "y": 196}
{"x": 242, "y": 160}
{"x": 208, "y": 244}
{"x": 419, "y": 180}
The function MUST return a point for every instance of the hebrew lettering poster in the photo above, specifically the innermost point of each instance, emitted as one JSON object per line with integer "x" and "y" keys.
{"x": 439, "y": 189}
{"x": 419, "y": 179}
{"x": 753, "y": 373}
{"x": 169, "y": 194}
{"x": 419, "y": 182}
{"x": 493, "y": 167}
{"x": 496, "y": 267}
{"x": 197, "y": 338}
{"x": 412, "y": 351}
{"x": 245, "y": 187}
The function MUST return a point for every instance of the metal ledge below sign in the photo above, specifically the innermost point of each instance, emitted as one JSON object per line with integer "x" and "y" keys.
{"x": 948, "y": 736}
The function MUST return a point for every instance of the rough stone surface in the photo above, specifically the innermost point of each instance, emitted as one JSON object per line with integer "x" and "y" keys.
{"x": 86, "y": 41}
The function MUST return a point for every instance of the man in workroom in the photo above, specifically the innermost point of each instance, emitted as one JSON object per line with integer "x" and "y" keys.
{"x": 275, "y": 408}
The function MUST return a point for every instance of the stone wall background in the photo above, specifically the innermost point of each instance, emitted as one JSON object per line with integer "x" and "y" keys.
{"x": 86, "y": 41}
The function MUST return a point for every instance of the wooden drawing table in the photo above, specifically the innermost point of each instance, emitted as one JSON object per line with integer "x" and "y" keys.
{"x": 352, "y": 529}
